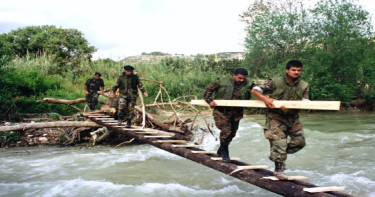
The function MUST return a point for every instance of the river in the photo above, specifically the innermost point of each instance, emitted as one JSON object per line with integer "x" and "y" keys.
{"x": 339, "y": 152}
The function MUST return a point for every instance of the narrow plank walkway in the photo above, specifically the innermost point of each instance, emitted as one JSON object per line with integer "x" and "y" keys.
{"x": 256, "y": 175}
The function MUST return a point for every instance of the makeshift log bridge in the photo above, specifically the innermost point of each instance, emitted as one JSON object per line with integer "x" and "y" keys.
{"x": 256, "y": 175}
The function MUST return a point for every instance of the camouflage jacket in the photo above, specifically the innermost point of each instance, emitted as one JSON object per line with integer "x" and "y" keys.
{"x": 93, "y": 85}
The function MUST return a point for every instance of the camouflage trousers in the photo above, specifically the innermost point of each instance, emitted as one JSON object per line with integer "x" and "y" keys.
{"x": 126, "y": 107}
{"x": 277, "y": 130}
{"x": 92, "y": 100}
{"x": 228, "y": 123}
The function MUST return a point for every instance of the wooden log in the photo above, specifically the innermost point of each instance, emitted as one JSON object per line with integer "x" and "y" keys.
{"x": 64, "y": 101}
{"x": 314, "y": 105}
{"x": 324, "y": 189}
{"x": 49, "y": 125}
{"x": 255, "y": 177}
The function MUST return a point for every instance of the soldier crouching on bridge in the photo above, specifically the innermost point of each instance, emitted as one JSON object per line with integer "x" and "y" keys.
{"x": 227, "y": 119}
{"x": 281, "y": 123}
{"x": 127, "y": 84}
{"x": 92, "y": 86}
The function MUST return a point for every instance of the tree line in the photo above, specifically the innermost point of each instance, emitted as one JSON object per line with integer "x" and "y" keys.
{"x": 334, "y": 39}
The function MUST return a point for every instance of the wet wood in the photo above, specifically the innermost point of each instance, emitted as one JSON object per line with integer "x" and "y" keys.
{"x": 41, "y": 125}
{"x": 313, "y": 105}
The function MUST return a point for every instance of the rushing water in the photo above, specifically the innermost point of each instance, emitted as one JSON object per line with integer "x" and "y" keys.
{"x": 339, "y": 152}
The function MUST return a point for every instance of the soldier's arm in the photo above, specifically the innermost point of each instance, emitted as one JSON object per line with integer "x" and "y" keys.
{"x": 260, "y": 93}
{"x": 102, "y": 87}
{"x": 114, "y": 88}
{"x": 142, "y": 87}
{"x": 306, "y": 94}
{"x": 85, "y": 87}
{"x": 208, "y": 92}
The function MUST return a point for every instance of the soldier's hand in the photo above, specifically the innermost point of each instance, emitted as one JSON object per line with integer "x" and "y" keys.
{"x": 146, "y": 95}
{"x": 86, "y": 92}
{"x": 111, "y": 95}
{"x": 213, "y": 104}
{"x": 283, "y": 108}
{"x": 268, "y": 102}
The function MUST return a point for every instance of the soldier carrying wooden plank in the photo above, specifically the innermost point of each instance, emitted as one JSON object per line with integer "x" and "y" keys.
{"x": 283, "y": 122}
{"x": 227, "y": 119}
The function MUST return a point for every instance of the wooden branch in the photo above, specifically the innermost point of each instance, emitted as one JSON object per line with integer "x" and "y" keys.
{"x": 159, "y": 82}
{"x": 315, "y": 105}
{"x": 49, "y": 125}
{"x": 159, "y": 123}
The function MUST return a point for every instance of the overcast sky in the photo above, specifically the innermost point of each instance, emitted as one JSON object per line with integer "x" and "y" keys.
{"x": 121, "y": 28}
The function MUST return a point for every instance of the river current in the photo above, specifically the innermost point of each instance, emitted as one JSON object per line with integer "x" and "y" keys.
{"x": 339, "y": 152}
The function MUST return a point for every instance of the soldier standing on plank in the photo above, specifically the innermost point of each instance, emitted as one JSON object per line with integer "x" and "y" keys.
{"x": 283, "y": 122}
{"x": 92, "y": 86}
{"x": 227, "y": 119}
{"x": 127, "y": 84}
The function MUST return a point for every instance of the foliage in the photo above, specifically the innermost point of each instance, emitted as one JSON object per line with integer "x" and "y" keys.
{"x": 67, "y": 47}
{"x": 334, "y": 41}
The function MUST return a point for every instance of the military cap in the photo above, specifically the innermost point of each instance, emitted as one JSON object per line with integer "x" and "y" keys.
{"x": 97, "y": 73}
{"x": 128, "y": 67}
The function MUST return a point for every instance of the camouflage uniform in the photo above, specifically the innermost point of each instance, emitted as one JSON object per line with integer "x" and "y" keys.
{"x": 93, "y": 86}
{"x": 279, "y": 123}
{"x": 127, "y": 86}
{"x": 227, "y": 119}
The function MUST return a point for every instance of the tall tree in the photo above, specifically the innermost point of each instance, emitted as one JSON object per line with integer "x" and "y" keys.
{"x": 64, "y": 45}
{"x": 334, "y": 39}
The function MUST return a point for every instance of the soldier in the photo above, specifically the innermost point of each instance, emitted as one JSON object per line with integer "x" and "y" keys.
{"x": 127, "y": 84}
{"x": 281, "y": 123}
{"x": 92, "y": 86}
{"x": 227, "y": 119}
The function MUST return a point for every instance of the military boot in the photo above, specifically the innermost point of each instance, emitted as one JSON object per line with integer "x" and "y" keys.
{"x": 128, "y": 123}
{"x": 279, "y": 171}
{"x": 220, "y": 151}
{"x": 225, "y": 154}
{"x": 119, "y": 120}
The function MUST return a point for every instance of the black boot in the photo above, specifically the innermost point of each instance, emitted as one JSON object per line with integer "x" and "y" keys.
{"x": 128, "y": 123}
{"x": 225, "y": 153}
{"x": 220, "y": 151}
{"x": 279, "y": 171}
{"x": 119, "y": 120}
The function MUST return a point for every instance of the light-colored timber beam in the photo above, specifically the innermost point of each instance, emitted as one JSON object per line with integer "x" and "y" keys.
{"x": 313, "y": 105}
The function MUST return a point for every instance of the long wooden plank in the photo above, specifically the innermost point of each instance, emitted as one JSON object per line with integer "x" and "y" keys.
{"x": 316, "y": 105}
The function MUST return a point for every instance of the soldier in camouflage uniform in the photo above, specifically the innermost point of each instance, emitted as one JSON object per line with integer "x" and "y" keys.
{"x": 127, "y": 84}
{"x": 92, "y": 86}
{"x": 283, "y": 123}
{"x": 227, "y": 119}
